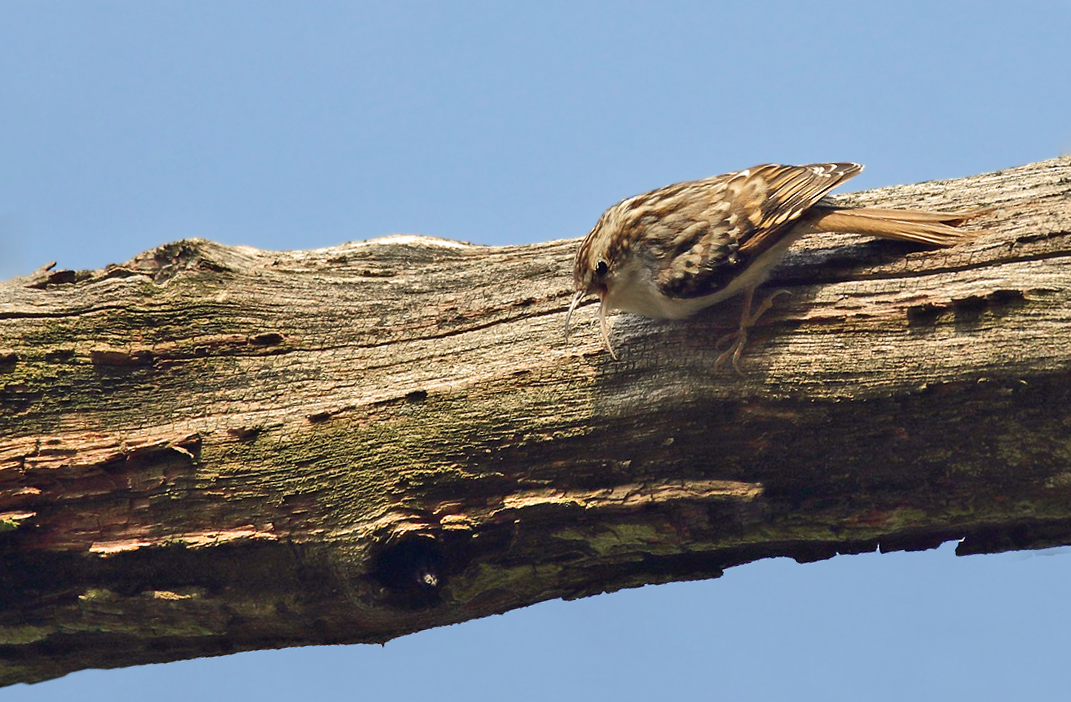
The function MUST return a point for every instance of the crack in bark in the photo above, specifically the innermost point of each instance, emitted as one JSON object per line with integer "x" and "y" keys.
{"x": 222, "y": 461}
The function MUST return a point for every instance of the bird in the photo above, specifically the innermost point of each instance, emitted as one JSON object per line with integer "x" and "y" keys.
{"x": 671, "y": 252}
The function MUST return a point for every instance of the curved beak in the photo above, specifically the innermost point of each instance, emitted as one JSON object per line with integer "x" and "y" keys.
{"x": 572, "y": 306}
{"x": 604, "y": 327}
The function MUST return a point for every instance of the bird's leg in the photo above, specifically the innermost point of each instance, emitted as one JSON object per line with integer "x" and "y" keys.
{"x": 748, "y": 319}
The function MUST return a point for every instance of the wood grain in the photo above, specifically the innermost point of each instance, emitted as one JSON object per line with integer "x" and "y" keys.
{"x": 211, "y": 449}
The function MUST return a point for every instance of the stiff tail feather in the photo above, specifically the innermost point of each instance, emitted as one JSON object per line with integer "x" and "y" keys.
{"x": 934, "y": 228}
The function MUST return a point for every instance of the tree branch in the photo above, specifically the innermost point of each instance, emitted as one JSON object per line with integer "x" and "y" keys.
{"x": 213, "y": 449}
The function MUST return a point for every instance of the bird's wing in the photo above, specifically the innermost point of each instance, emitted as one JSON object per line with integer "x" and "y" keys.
{"x": 736, "y": 219}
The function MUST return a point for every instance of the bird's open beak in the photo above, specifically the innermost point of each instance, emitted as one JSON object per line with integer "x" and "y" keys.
{"x": 604, "y": 327}
{"x": 572, "y": 306}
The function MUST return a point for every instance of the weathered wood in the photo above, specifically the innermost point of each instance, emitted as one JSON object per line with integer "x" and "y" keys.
{"x": 211, "y": 449}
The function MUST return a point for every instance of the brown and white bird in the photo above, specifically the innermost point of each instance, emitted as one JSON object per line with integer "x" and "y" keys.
{"x": 673, "y": 251}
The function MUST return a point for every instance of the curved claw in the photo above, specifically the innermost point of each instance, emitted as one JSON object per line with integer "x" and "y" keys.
{"x": 747, "y": 320}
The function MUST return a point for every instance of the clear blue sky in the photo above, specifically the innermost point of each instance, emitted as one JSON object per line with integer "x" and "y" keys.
{"x": 286, "y": 125}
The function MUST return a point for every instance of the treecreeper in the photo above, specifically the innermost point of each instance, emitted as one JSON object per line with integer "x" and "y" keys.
{"x": 674, "y": 251}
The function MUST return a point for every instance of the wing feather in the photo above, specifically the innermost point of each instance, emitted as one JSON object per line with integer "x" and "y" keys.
{"x": 742, "y": 216}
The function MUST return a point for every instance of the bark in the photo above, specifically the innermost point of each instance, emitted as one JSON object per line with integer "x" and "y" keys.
{"x": 212, "y": 449}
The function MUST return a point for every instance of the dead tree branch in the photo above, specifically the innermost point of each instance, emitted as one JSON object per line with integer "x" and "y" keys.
{"x": 213, "y": 449}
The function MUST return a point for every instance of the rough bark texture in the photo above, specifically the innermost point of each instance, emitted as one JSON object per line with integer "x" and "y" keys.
{"x": 212, "y": 449}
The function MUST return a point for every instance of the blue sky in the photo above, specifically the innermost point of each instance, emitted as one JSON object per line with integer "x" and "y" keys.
{"x": 284, "y": 125}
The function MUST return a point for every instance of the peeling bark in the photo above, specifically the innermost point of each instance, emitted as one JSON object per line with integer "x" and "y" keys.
{"x": 213, "y": 449}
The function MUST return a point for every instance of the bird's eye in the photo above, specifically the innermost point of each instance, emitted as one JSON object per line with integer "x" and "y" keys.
{"x": 601, "y": 268}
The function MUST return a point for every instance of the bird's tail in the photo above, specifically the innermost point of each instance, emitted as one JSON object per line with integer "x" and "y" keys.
{"x": 934, "y": 228}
